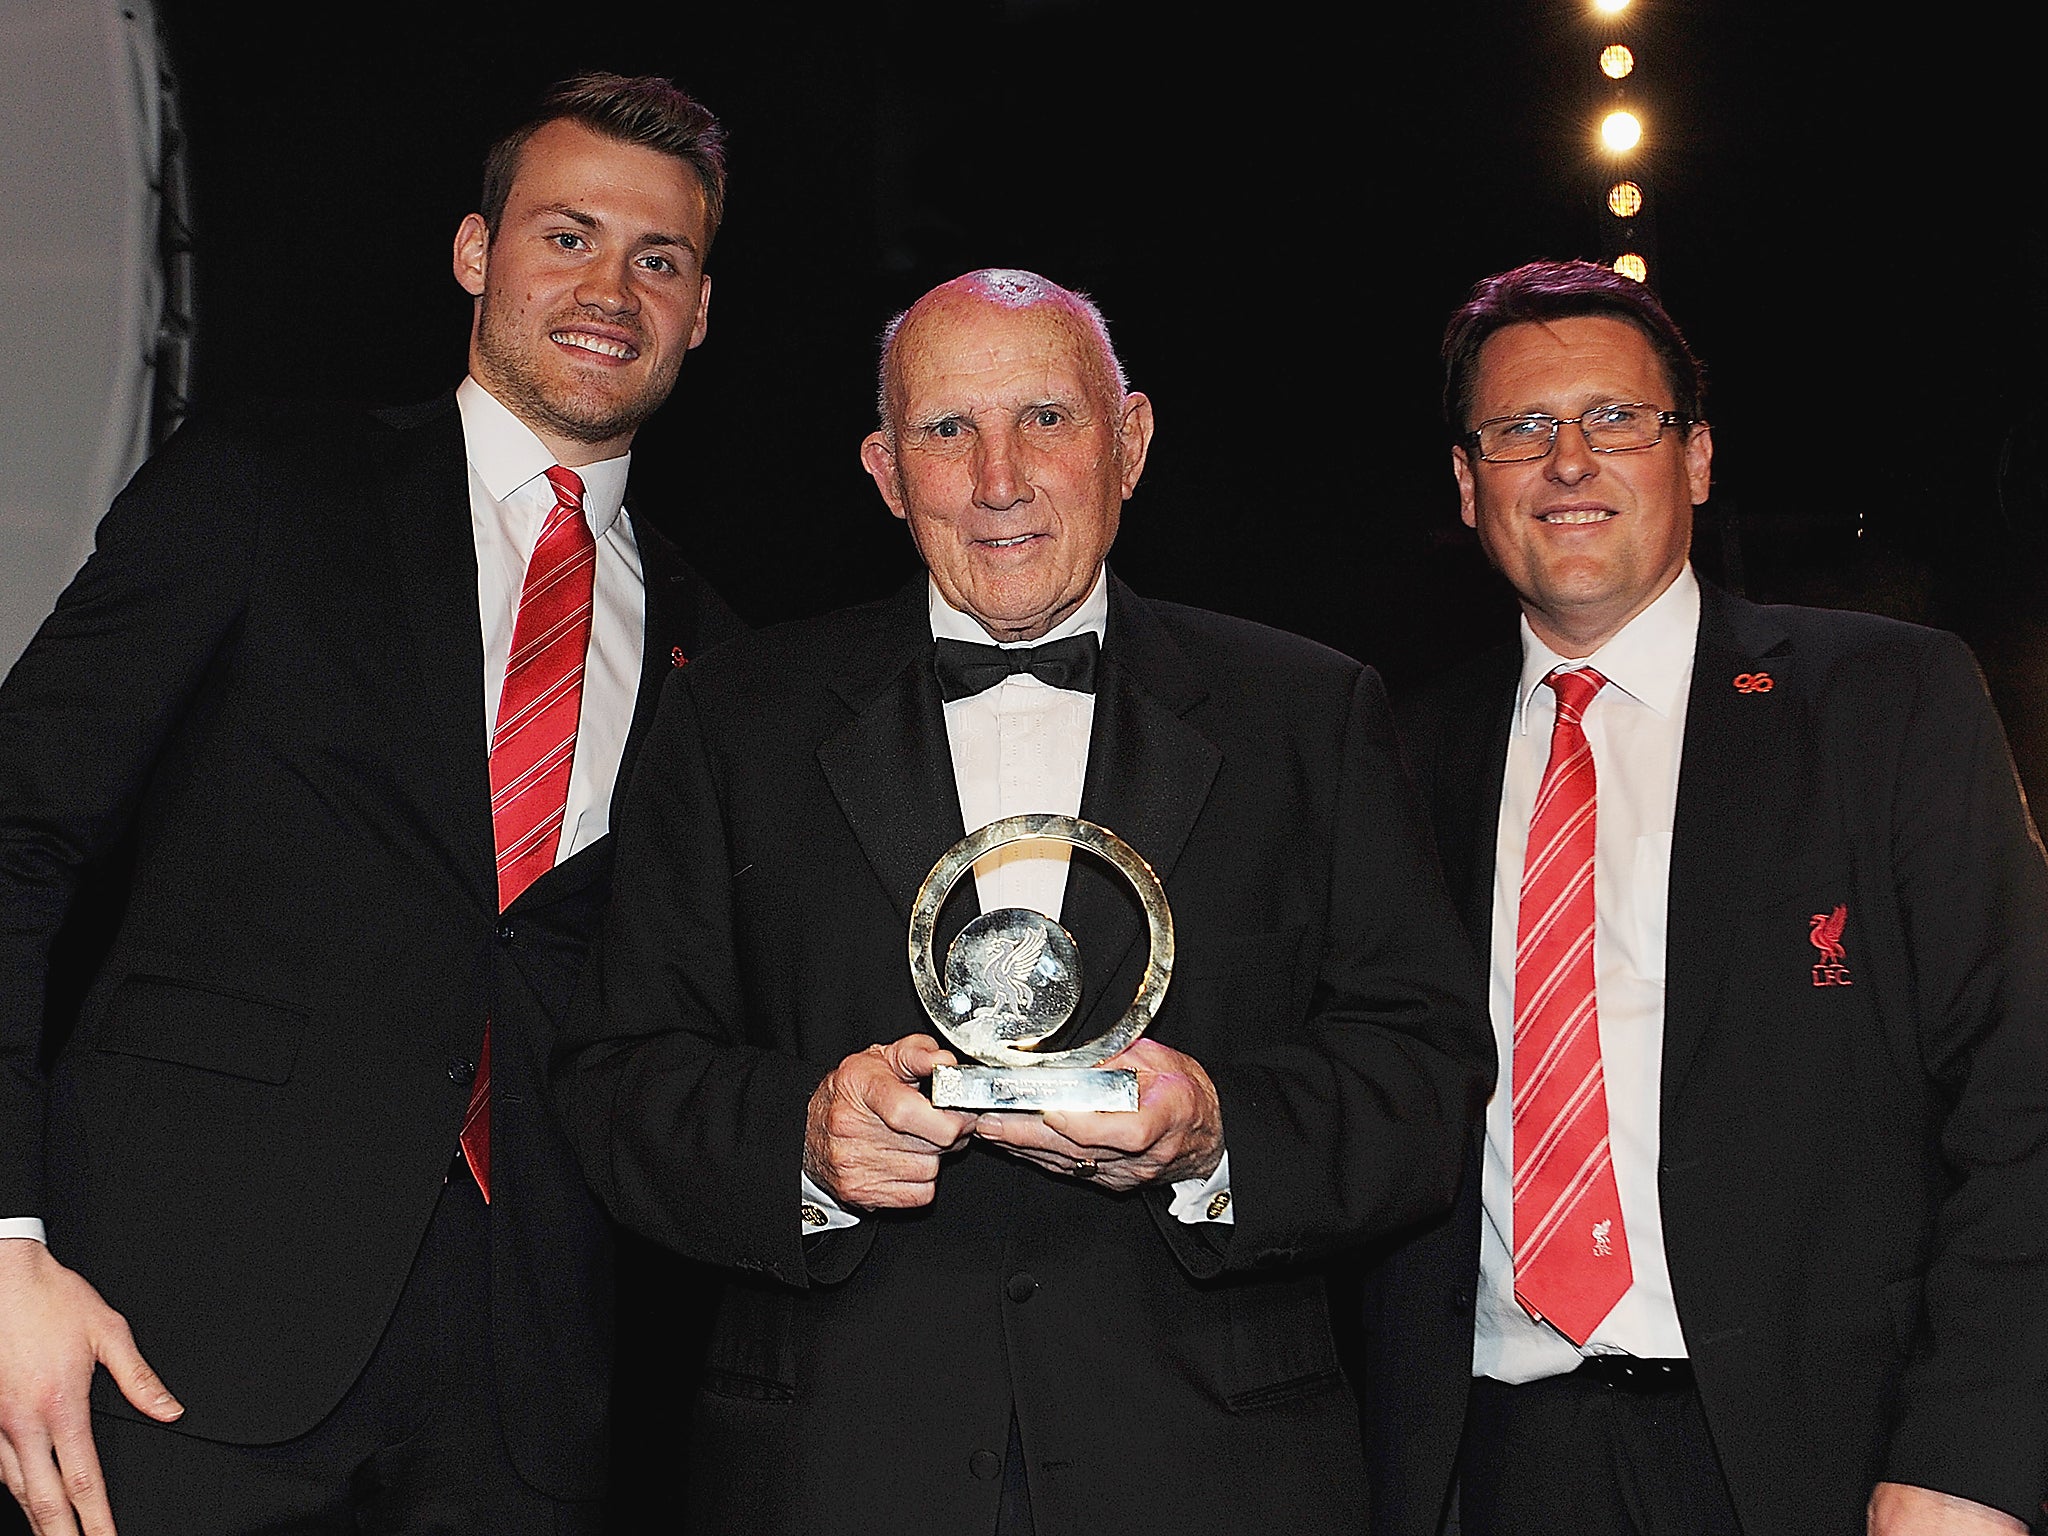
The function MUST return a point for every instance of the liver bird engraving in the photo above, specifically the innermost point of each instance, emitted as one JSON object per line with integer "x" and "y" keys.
{"x": 1007, "y": 975}
{"x": 1826, "y": 934}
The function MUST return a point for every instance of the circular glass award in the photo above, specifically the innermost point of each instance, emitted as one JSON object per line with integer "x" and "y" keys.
{"x": 1012, "y": 979}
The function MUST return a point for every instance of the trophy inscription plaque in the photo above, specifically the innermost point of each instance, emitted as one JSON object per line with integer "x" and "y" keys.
{"x": 1013, "y": 978}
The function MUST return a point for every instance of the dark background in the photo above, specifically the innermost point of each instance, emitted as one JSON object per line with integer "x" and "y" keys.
{"x": 1276, "y": 212}
{"x": 1276, "y": 206}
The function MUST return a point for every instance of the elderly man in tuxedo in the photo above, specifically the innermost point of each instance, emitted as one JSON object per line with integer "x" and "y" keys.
{"x": 943, "y": 1321}
{"x": 1755, "y": 1239}
{"x": 361, "y": 685}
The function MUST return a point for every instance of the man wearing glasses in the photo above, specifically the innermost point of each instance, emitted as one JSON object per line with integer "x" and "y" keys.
{"x": 1759, "y": 1216}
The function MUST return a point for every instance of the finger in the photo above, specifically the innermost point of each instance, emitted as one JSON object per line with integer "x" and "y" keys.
{"x": 893, "y": 1186}
{"x": 913, "y": 1057}
{"x": 1123, "y": 1133}
{"x": 906, "y": 1111}
{"x": 132, "y": 1374}
{"x": 11, "y": 1474}
{"x": 1032, "y": 1131}
{"x": 1147, "y": 1055}
{"x": 42, "y": 1492}
{"x": 78, "y": 1464}
{"x": 901, "y": 1197}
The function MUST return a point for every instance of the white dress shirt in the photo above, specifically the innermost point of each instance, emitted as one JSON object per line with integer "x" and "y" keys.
{"x": 1636, "y": 729}
{"x": 1022, "y": 747}
{"x": 509, "y": 499}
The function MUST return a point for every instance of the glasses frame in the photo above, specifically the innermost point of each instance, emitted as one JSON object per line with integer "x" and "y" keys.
{"x": 1664, "y": 419}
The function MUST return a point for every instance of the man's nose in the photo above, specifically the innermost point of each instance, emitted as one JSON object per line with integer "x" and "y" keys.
{"x": 608, "y": 286}
{"x": 999, "y": 480}
{"x": 1573, "y": 458}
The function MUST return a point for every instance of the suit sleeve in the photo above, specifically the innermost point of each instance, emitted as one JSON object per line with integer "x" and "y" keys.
{"x": 84, "y": 717}
{"x": 1357, "y": 1125}
{"x": 1973, "y": 1408}
{"x": 688, "y": 1133}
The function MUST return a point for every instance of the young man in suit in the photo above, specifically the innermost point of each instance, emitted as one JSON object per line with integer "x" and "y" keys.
{"x": 362, "y": 685}
{"x": 940, "y": 1321}
{"x": 1756, "y": 1237}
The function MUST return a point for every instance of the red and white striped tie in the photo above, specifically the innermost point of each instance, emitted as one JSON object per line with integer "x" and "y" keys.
{"x": 1571, "y": 1253}
{"x": 534, "y": 745}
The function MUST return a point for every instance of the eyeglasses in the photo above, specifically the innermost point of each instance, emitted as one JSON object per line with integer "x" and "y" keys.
{"x": 1607, "y": 429}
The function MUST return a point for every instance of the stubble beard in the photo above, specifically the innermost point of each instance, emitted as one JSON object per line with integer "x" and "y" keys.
{"x": 525, "y": 388}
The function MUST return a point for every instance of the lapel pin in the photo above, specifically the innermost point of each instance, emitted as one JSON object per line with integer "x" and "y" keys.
{"x": 1753, "y": 682}
{"x": 1825, "y": 935}
{"x": 676, "y": 656}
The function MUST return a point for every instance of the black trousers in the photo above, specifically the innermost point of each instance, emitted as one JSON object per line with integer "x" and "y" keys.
{"x": 1574, "y": 1456}
{"x": 413, "y": 1448}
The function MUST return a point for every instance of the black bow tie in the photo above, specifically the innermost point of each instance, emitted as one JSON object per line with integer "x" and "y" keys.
{"x": 966, "y": 669}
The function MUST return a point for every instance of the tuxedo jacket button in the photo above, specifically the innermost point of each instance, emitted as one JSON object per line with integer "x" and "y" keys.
{"x": 460, "y": 1071}
{"x": 986, "y": 1465}
{"x": 1021, "y": 1286}
{"x": 505, "y": 933}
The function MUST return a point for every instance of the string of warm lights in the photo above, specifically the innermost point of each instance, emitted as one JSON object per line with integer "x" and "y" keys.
{"x": 1627, "y": 232}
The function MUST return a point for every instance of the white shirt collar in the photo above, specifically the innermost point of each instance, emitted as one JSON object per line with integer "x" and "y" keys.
{"x": 1649, "y": 658}
{"x": 506, "y": 456}
{"x": 949, "y": 623}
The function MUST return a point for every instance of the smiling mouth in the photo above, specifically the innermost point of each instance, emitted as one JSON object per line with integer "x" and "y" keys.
{"x": 603, "y": 346}
{"x": 1011, "y": 542}
{"x": 1573, "y": 516}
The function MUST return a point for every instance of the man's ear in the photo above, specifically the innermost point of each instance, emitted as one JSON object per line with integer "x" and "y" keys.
{"x": 1461, "y": 471}
{"x": 879, "y": 460}
{"x": 1134, "y": 436}
{"x": 1699, "y": 461}
{"x": 472, "y": 254}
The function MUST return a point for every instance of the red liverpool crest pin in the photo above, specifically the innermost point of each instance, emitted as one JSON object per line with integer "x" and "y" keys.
{"x": 1825, "y": 935}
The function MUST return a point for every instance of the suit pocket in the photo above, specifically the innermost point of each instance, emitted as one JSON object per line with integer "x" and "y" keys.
{"x": 159, "y": 1019}
{"x": 753, "y": 1351}
{"x": 1281, "y": 1345}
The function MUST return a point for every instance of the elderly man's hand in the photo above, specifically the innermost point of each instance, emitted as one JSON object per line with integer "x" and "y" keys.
{"x": 871, "y": 1139}
{"x": 1177, "y": 1132}
{"x": 1899, "y": 1509}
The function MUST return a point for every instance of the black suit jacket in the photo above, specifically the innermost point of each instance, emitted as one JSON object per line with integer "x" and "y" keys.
{"x": 271, "y": 670}
{"x": 795, "y": 790}
{"x": 1854, "y": 1178}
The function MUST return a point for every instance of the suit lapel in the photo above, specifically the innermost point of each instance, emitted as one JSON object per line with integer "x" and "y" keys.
{"x": 1731, "y": 803}
{"x": 1471, "y": 762}
{"x": 1149, "y": 775}
{"x": 426, "y": 500}
{"x": 665, "y": 623}
{"x": 890, "y": 766}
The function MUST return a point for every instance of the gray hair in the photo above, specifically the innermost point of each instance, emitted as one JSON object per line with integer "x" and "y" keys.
{"x": 1011, "y": 288}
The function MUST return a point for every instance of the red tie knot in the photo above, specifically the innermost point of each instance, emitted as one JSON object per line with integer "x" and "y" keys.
{"x": 568, "y": 487}
{"x": 1574, "y": 689}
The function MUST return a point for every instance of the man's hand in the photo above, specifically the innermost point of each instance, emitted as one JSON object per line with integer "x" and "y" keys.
{"x": 53, "y": 1329}
{"x": 871, "y": 1139}
{"x": 1177, "y": 1132}
{"x": 1899, "y": 1509}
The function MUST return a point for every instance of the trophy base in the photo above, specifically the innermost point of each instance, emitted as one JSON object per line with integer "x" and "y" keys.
{"x": 1035, "y": 1088}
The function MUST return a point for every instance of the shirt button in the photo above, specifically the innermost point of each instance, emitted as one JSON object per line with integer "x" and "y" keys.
{"x": 986, "y": 1465}
{"x": 460, "y": 1071}
{"x": 1021, "y": 1286}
